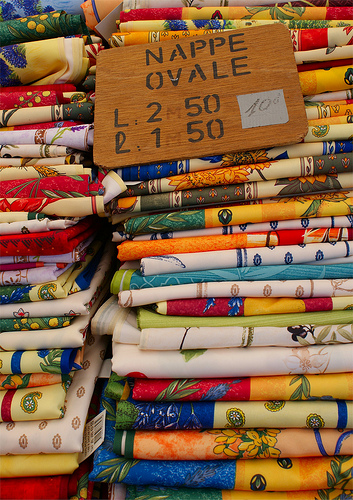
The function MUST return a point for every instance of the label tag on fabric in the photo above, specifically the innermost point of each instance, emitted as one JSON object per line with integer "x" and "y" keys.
{"x": 93, "y": 435}
{"x": 211, "y": 94}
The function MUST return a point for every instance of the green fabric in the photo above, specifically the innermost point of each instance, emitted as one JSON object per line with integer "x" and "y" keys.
{"x": 150, "y": 319}
{"x": 27, "y": 323}
{"x": 165, "y": 222}
{"x": 41, "y": 26}
{"x": 115, "y": 386}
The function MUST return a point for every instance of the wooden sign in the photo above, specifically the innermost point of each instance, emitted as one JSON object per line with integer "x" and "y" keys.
{"x": 198, "y": 96}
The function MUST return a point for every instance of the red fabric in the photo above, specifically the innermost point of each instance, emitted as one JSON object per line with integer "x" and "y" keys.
{"x": 49, "y": 242}
{"x": 6, "y": 406}
{"x": 60, "y": 186}
{"x": 222, "y": 306}
{"x": 35, "y": 488}
{"x": 318, "y": 304}
{"x": 312, "y": 39}
{"x": 322, "y": 64}
{"x": 32, "y": 98}
{"x": 20, "y": 265}
{"x": 62, "y": 87}
{"x": 177, "y": 13}
{"x": 199, "y": 307}
{"x": 43, "y": 125}
{"x": 35, "y": 204}
{"x": 339, "y": 13}
{"x": 233, "y": 389}
{"x": 147, "y": 14}
{"x": 299, "y": 236}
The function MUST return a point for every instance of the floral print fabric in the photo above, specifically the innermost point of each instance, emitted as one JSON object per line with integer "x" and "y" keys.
{"x": 228, "y": 443}
{"x": 129, "y": 360}
{"x": 36, "y": 404}
{"x": 135, "y": 250}
{"x": 293, "y": 288}
{"x": 236, "y": 12}
{"x": 159, "y": 170}
{"x": 41, "y": 26}
{"x": 332, "y": 205}
{"x": 43, "y": 62}
{"x": 245, "y": 475}
{"x": 208, "y": 338}
{"x": 285, "y": 387}
{"x": 249, "y": 306}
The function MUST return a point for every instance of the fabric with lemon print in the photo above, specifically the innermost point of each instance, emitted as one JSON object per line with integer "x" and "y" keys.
{"x": 37, "y": 403}
{"x": 70, "y": 335}
{"x": 223, "y": 444}
{"x": 41, "y": 26}
{"x": 30, "y": 97}
{"x": 24, "y": 323}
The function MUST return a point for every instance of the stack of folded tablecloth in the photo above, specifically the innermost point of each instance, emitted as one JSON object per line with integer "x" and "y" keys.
{"x": 55, "y": 251}
{"x": 231, "y": 316}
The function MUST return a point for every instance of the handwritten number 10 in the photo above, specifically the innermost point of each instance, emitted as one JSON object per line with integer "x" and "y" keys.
{"x": 152, "y": 119}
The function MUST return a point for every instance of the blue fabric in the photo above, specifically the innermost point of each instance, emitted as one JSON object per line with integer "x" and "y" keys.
{"x": 283, "y": 272}
{"x": 342, "y": 414}
{"x": 169, "y": 415}
{"x": 319, "y": 442}
{"x": 67, "y": 360}
{"x": 153, "y": 171}
{"x": 84, "y": 279}
{"x": 158, "y": 170}
{"x": 16, "y": 362}
{"x": 343, "y": 436}
{"x": 109, "y": 467}
{"x": 13, "y": 9}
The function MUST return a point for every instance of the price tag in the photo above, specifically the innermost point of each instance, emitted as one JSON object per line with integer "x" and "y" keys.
{"x": 230, "y": 91}
{"x": 93, "y": 435}
{"x": 262, "y": 109}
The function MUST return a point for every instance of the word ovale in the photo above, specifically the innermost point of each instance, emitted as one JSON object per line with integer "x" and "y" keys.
{"x": 217, "y": 69}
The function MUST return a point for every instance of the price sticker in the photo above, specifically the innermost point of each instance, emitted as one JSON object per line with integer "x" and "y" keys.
{"x": 262, "y": 109}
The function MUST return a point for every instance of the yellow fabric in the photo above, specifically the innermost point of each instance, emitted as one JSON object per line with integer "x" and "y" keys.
{"x": 38, "y": 465}
{"x": 37, "y": 403}
{"x": 47, "y": 62}
{"x": 322, "y": 80}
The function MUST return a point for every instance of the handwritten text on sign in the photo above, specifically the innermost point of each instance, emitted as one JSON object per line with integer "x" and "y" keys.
{"x": 197, "y": 96}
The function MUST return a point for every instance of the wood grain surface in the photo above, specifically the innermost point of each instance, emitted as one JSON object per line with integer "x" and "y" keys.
{"x": 220, "y": 93}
